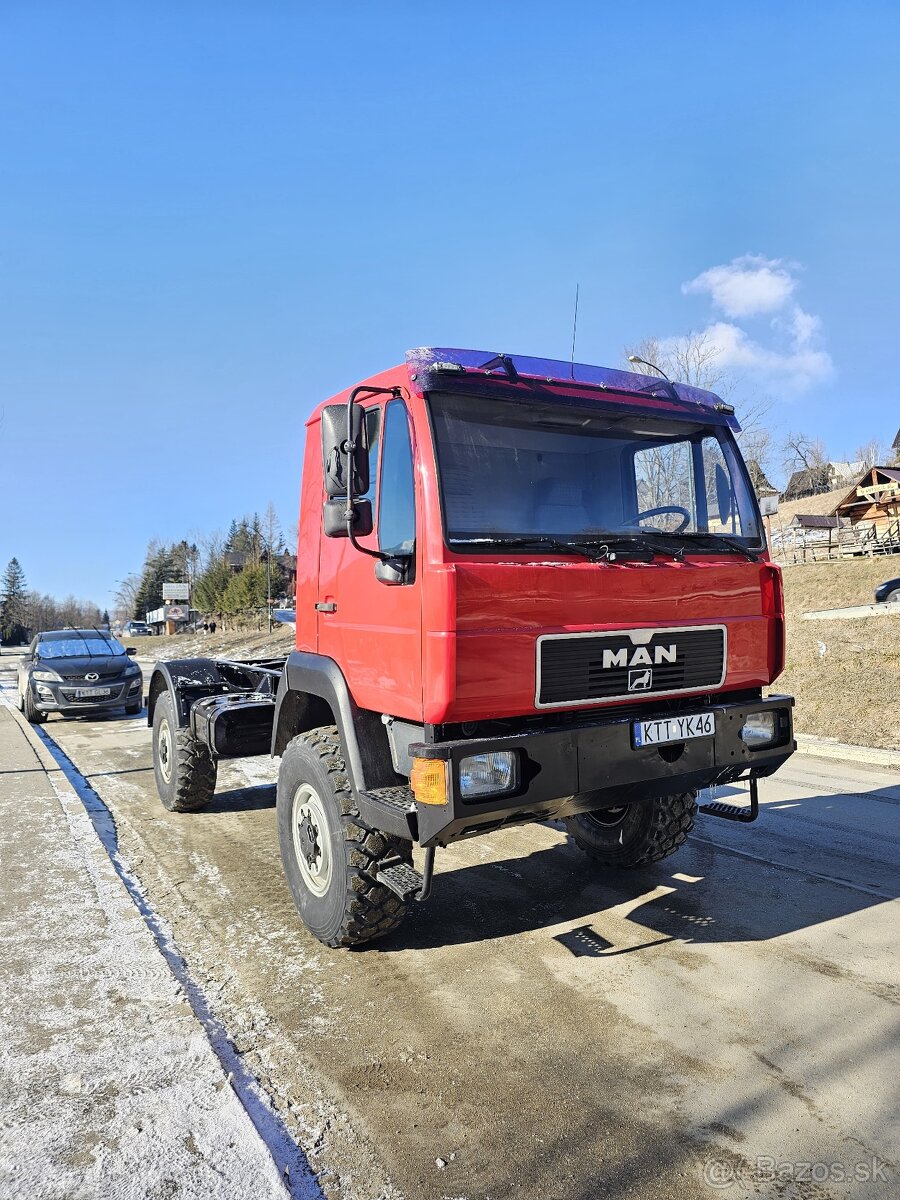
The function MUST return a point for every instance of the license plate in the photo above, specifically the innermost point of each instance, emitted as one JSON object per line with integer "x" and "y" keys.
{"x": 91, "y": 693}
{"x": 674, "y": 729}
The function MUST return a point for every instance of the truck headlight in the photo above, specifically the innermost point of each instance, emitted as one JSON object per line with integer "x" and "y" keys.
{"x": 760, "y": 729}
{"x": 490, "y": 774}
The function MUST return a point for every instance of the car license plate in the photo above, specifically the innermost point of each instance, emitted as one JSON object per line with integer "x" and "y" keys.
{"x": 674, "y": 729}
{"x": 90, "y": 693}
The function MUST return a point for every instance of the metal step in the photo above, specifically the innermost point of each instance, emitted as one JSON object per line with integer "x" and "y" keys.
{"x": 390, "y": 809}
{"x": 396, "y": 797}
{"x": 734, "y": 812}
{"x": 402, "y": 879}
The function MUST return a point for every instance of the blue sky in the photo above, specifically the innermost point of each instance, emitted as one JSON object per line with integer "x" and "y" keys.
{"x": 212, "y": 216}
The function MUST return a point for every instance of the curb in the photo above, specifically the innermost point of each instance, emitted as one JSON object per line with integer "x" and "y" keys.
{"x": 831, "y": 748}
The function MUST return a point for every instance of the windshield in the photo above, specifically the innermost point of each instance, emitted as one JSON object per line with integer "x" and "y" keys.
{"x": 573, "y": 472}
{"x": 77, "y": 645}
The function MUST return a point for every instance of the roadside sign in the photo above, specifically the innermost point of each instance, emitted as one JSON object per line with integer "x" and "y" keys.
{"x": 176, "y": 591}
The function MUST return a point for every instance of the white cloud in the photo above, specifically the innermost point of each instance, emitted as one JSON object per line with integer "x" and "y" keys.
{"x": 753, "y": 286}
{"x": 796, "y": 368}
{"x": 747, "y": 286}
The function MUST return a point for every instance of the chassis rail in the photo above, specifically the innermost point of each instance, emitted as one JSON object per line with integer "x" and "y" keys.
{"x": 229, "y": 705}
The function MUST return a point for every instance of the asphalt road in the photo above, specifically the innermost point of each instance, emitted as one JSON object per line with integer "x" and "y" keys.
{"x": 543, "y": 1030}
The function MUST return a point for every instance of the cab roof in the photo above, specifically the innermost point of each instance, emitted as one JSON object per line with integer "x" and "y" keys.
{"x": 519, "y": 376}
{"x": 433, "y": 367}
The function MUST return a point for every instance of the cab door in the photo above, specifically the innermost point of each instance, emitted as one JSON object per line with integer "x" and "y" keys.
{"x": 373, "y": 630}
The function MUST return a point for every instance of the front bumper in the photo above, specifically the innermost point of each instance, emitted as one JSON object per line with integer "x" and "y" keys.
{"x": 581, "y": 768}
{"x": 51, "y": 696}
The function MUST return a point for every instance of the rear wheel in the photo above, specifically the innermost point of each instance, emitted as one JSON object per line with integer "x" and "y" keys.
{"x": 184, "y": 768}
{"x": 330, "y": 855}
{"x": 32, "y": 713}
{"x": 635, "y": 835}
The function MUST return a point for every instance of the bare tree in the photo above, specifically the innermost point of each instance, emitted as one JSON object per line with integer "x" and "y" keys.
{"x": 872, "y": 454}
{"x": 273, "y": 538}
{"x": 273, "y": 542}
{"x": 695, "y": 360}
{"x": 692, "y": 359}
{"x": 803, "y": 453}
{"x": 125, "y": 596}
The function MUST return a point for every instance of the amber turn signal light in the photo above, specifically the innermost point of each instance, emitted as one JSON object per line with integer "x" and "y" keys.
{"x": 428, "y": 780}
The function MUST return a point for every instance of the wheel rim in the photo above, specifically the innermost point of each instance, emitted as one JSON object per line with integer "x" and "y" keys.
{"x": 164, "y": 750}
{"x": 312, "y": 844}
{"x": 609, "y": 818}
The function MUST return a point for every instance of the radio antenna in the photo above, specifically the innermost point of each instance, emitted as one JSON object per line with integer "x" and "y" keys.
{"x": 574, "y": 330}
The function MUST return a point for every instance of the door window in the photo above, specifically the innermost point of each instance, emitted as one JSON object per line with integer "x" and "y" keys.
{"x": 373, "y": 437}
{"x": 397, "y": 493}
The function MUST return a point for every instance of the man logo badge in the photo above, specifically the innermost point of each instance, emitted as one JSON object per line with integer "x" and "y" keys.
{"x": 640, "y": 681}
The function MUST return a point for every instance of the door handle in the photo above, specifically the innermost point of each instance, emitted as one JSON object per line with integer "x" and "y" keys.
{"x": 329, "y": 607}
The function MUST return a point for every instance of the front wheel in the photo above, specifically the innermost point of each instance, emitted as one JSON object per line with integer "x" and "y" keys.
{"x": 330, "y": 856}
{"x": 33, "y": 714}
{"x": 635, "y": 835}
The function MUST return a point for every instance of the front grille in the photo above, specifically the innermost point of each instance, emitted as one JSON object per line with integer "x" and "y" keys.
{"x": 581, "y": 668}
{"x": 102, "y": 679}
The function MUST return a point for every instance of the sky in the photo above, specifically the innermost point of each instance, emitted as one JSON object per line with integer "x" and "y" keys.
{"x": 215, "y": 215}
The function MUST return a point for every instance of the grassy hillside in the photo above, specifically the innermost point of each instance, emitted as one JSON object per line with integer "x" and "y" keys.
{"x": 850, "y": 691}
{"x": 216, "y": 645}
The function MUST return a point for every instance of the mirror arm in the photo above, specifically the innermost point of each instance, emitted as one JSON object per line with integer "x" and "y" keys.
{"x": 348, "y": 448}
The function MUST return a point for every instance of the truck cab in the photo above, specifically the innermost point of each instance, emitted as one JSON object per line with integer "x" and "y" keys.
{"x": 526, "y": 590}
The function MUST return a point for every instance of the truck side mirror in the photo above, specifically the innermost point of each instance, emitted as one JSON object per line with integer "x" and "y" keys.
{"x": 336, "y": 458}
{"x": 393, "y": 572}
{"x": 335, "y": 520}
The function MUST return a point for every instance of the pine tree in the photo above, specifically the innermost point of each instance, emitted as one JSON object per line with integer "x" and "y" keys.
{"x": 13, "y": 605}
{"x": 160, "y": 567}
{"x": 210, "y": 588}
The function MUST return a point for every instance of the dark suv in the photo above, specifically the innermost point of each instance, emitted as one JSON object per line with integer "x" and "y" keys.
{"x": 75, "y": 671}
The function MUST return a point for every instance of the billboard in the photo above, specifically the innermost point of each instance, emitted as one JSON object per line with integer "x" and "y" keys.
{"x": 176, "y": 591}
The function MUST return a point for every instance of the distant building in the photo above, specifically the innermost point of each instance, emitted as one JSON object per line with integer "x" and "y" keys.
{"x": 873, "y": 503}
{"x": 236, "y": 560}
{"x": 811, "y": 521}
{"x": 761, "y": 485}
{"x": 827, "y": 477}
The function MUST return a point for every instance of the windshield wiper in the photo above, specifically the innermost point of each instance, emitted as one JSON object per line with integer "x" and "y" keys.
{"x": 536, "y": 539}
{"x": 611, "y": 540}
{"x": 722, "y": 539}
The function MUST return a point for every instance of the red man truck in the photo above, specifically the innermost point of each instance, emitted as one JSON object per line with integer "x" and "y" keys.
{"x": 526, "y": 589}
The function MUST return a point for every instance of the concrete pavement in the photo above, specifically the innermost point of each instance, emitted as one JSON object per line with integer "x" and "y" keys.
{"x": 109, "y": 1085}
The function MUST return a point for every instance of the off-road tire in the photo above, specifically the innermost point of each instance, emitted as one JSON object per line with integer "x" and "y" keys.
{"x": 647, "y": 831}
{"x": 190, "y": 767}
{"x": 33, "y": 714}
{"x": 132, "y": 710}
{"x": 353, "y": 908}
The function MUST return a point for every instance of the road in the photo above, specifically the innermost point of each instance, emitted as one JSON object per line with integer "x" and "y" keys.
{"x": 542, "y": 1029}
